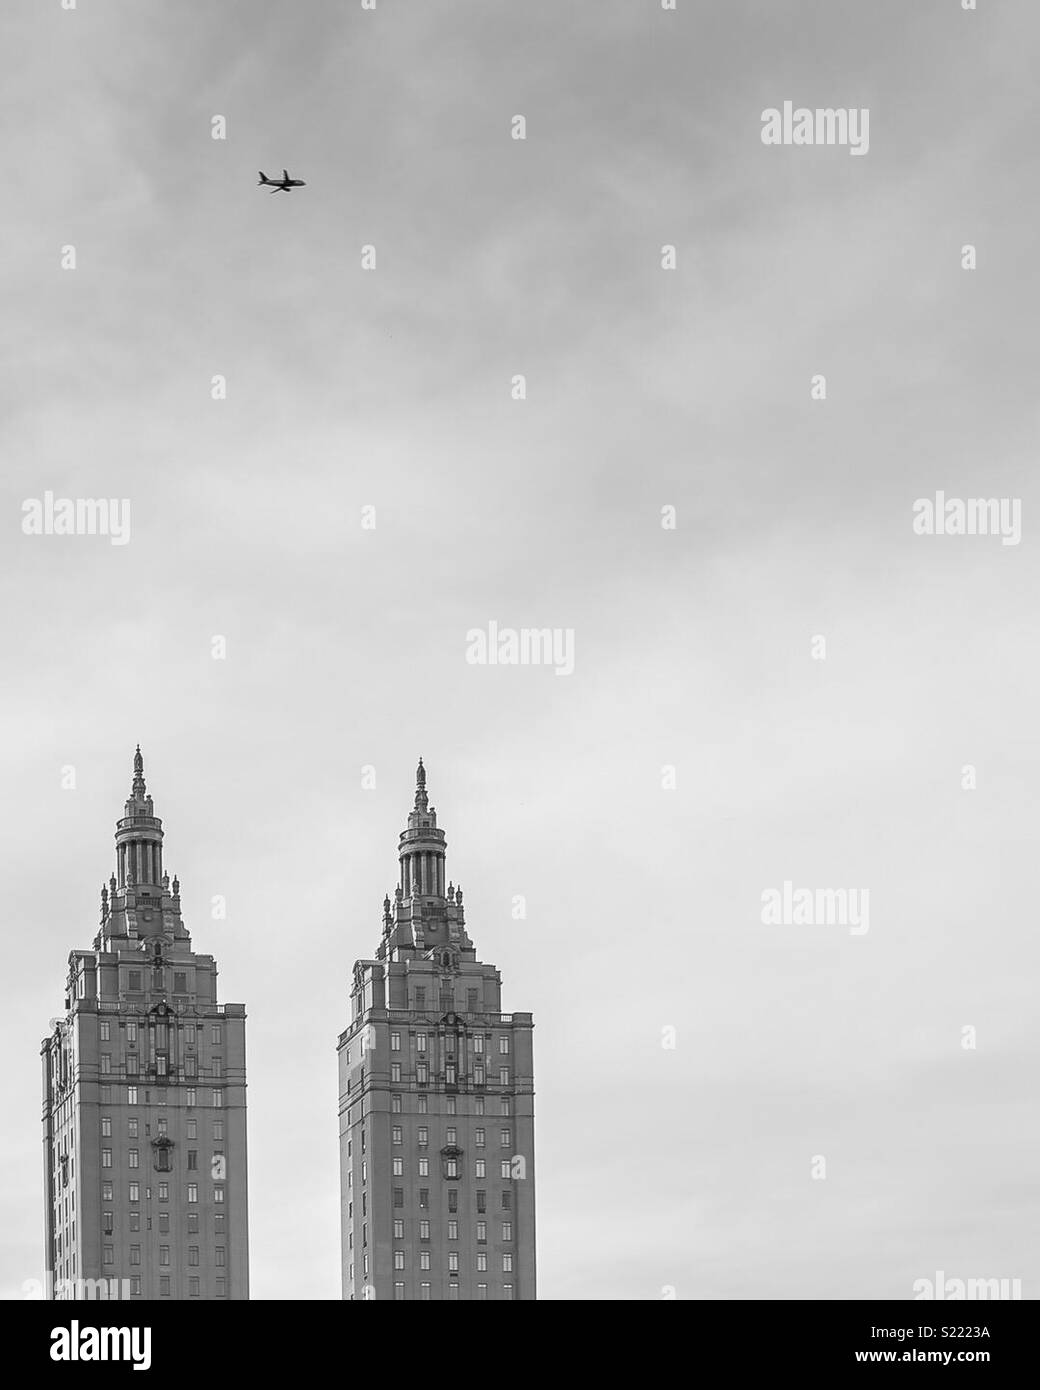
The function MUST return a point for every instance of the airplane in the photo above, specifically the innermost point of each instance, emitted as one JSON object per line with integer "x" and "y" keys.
{"x": 283, "y": 185}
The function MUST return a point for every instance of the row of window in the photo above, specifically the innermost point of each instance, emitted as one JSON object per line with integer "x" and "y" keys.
{"x": 134, "y": 1192}
{"x": 188, "y": 1031}
{"x": 162, "y": 1160}
{"x": 451, "y": 1136}
{"x": 162, "y": 1065}
{"x": 451, "y": 1166}
{"x": 190, "y": 1094}
{"x": 164, "y": 1255}
{"x": 220, "y": 1290}
{"x": 453, "y": 1261}
{"x": 451, "y": 1073}
{"x": 453, "y": 1292}
{"x": 477, "y": 1043}
{"x": 133, "y": 1128}
{"x": 453, "y": 1199}
{"x": 134, "y": 1220}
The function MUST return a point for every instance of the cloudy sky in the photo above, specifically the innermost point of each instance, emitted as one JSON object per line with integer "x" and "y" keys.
{"x": 685, "y": 1168}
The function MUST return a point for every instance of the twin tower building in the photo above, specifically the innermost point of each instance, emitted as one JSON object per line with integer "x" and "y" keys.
{"x": 144, "y": 1101}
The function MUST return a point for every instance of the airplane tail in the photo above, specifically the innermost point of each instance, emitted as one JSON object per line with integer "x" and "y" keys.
{"x": 263, "y": 177}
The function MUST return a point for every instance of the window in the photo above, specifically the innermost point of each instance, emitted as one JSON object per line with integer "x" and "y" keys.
{"x": 131, "y": 1095}
{"x": 221, "y": 1287}
{"x": 507, "y": 1200}
{"x": 479, "y": 1168}
{"x": 364, "y": 1235}
{"x": 133, "y": 1158}
{"x": 135, "y": 1254}
{"x": 131, "y": 1034}
{"x": 479, "y": 1138}
{"x": 164, "y": 1221}
{"x": 214, "y": 1035}
{"x": 131, "y": 1129}
{"x": 482, "y": 1261}
{"x": 189, "y": 1096}
{"x": 482, "y": 1293}
{"x": 191, "y": 1067}
{"x": 420, "y": 998}
{"x": 505, "y": 1168}
{"x": 507, "y": 1291}
{"x": 451, "y": 1105}
{"x": 133, "y": 980}
{"x": 481, "y": 1201}
{"x": 478, "y": 1105}
{"x": 507, "y": 1264}
{"x": 106, "y": 1063}
{"x": 395, "y": 1042}
{"x": 164, "y": 1286}
{"x": 395, "y": 1105}
{"x": 107, "y": 1220}
{"x": 364, "y": 1170}
{"x": 180, "y": 982}
{"x": 135, "y": 1192}
{"x": 398, "y": 1167}
{"x": 218, "y": 1099}
{"x": 396, "y": 1134}
{"x": 193, "y": 1286}
{"x": 164, "y": 1192}
{"x": 424, "y": 1167}
{"x": 423, "y": 1104}
{"x": 507, "y": 1230}
{"x": 193, "y": 1221}
{"x": 105, "y": 1030}
{"x": 453, "y": 1293}
{"x": 164, "y": 1254}
{"x": 503, "y": 1046}
{"x": 506, "y": 1139}
{"x": 131, "y": 1064}
{"x": 503, "y": 1076}
{"x": 503, "y": 1107}
{"x": 193, "y": 1192}
{"x": 482, "y": 1232}
{"x": 452, "y": 1135}
{"x": 424, "y": 1197}
{"x": 478, "y": 1074}
{"x": 399, "y": 1293}
{"x": 218, "y": 1194}
{"x": 420, "y": 1042}
{"x": 395, "y": 1071}
{"x": 453, "y": 1199}
{"x": 424, "y": 1134}
{"x": 424, "y": 1292}
{"x": 398, "y": 1197}
{"x": 453, "y": 1261}
{"x": 217, "y": 1066}
{"x": 453, "y": 1230}
{"x": 478, "y": 1043}
{"x": 218, "y": 1130}
{"x": 193, "y": 1159}
{"x": 422, "y": 1073}
{"x": 189, "y": 1034}
{"x": 109, "y": 1255}
{"x": 135, "y": 1284}
{"x": 106, "y": 1125}
{"x": 219, "y": 1252}
{"x": 471, "y": 1001}
{"x": 398, "y": 1259}
{"x": 106, "y": 1158}
{"x": 451, "y": 1168}
{"x": 398, "y": 1230}
{"x": 106, "y": 1192}
{"x": 193, "y": 1254}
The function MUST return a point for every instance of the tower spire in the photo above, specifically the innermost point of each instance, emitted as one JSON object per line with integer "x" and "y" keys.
{"x": 138, "y": 790}
{"x": 422, "y": 801}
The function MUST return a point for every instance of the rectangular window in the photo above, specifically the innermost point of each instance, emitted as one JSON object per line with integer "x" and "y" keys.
{"x": 106, "y": 1063}
{"x": 395, "y": 1042}
{"x": 507, "y": 1230}
{"x": 424, "y": 1197}
{"x": 106, "y": 1125}
{"x": 453, "y": 1261}
{"x": 131, "y": 1095}
{"x": 135, "y": 1285}
{"x": 164, "y": 1254}
{"x": 109, "y": 1255}
{"x": 451, "y": 1168}
{"x": 131, "y": 1034}
{"x": 398, "y": 1259}
{"x": 193, "y": 1221}
{"x": 164, "y": 1192}
{"x": 395, "y": 1105}
{"x": 481, "y": 1261}
{"x": 135, "y": 1254}
{"x": 219, "y": 1252}
{"x": 106, "y": 1158}
{"x": 424, "y": 1167}
{"x": 420, "y": 1042}
{"x": 478, "y": 1108}
{"x": 424, "y": 1135}
{"x": 481, "y": 1293}
{"x": 481, "y": 1232}
{"x": 471, "y": 1001}
{"x": 479, "y": 1168}
{"x": 481, "y": 1201}
{"x": 507, "y": 1264}
{"x": 214, "y": 1035}
{"x": 506, "y": 1139}
{"x": 217, "y": 1066}
{"x": 503, "y": 1076}
{"x": 133, "y": 980}
{"x": 106, "y": 1192}
{"x": 507, "y": 1292}
{"x": 503, "y": 1106}
{"x": 503, "y": 1046}
{"x": 221, "y": 1287}
{"x": 398, "y": 1167}
{"x": 132, "y": 1129}
{"x": 193, "y": 1286}
{"x": 131, "y": 1064}
{"x": 420, "y": 998}
{"x": 191, "y": 1068}
{"x": 180, "y": 982}
{"x": 218, "y": 1130}
{"x": 507, "y": 1200}
{"x": 135, "y": 1192}
{"x": 193, "y": 1254}
{"x": 452, "y": 1136}
{"x": 453, "y": 1230}
{"x": 106, "y": 1218}
{"x": 452, "y": 1103}
{"x": 395, "y": 1071}
{"x": 193, "y": 1192}
{"x": 423, "y": 1104}
{"x": 422, "y": 1073}
{"x": 189, "y": 1097}
{"x": 189, "y": 1034}
{"x": 478, "y": 1138}
{"x": 398, "y": 1230}
{"x": 399, "y": 1293}
{"x": 453, "y": 1199}
{"x": 478, "y": 1044}
{"x": 478, "y": 1074}
{"x": 164, "y": 1286}
{"x": 164, "y": 1221}
{"x": 424, "y": 1259}
{"x": 364, "y": 1170}
{"x": 218, "y": 1194}
{"x": 105, "y": 1030}
{"x": 453, "y": 1293}
{"x": 504, "y": 1168}
{"x": 132, "y": 1158}
{"x": 218, "y": 1099}
{"x": 395, "y": 1135}
{"x": 424, "y": 1293}
{"x": 193, "y": 1159}
{"x": 398, "y": 1196}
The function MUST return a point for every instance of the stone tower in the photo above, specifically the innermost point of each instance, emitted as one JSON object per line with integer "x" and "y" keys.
{"x": 144, "y": 1099}
{"x": 436, "y": 1103}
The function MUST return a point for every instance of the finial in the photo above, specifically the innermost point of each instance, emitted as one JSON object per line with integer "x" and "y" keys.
{"x": 398, "y": 892}
{"x": 112, "y": 885}
{"x": 458, "y": 894}
{"x": 138, "y": 787}
{"x": 420, "y": 775}
{"x": 166, "y": 880}
{"x": 176, "y": 886}
{"x": 421, "y": 799}
{"x": 451, "y": 891}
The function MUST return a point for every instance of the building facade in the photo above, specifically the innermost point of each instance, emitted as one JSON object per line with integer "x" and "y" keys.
{"x": 144, "y": 1099}
{"x": 436, "y": 1104}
